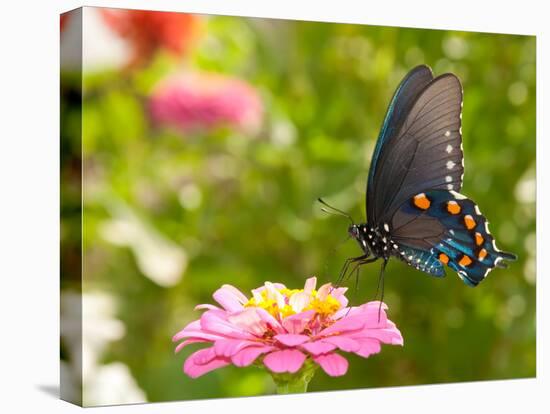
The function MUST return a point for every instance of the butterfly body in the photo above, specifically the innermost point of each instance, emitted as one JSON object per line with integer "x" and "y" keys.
{"x": 415, "y": 211}
{"x": 373, "y": 241}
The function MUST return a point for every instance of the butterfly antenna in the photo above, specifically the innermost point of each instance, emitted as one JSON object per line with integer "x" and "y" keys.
{"x": 335, "y": 210}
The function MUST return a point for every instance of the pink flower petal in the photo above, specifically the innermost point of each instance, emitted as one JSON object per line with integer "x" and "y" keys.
{"x": 274, "y": 294}
{"x": 248, "y": 320}
{"x": 248, "y": 355}
{"x": 346, "y": 324}
{"x": 188, "y": 342}
{"x": 333, "y": 364}
{"x": 207, "y": 336}
{"x": 287, "y": 360}
{"x": 230, "y": 298}
{"x": 229, "y": 347}
{"x": 310, "y": 284}
{"x": 298, "y": 301}
{"x": 194, "y": 366}
{"x": 269, "y": 320}
{"x": 348, "y": 311}
{"x": 375, "y": 304}
{"x": 338, "y": 294}
{"x": 291, "y": 339}
{"x": 192, "y": 326}
{"x": 342, "y": 342}
{"x": 368, "y": 347}
{"x": 296, "y": 323}
{"x": 324, "y": 291}
{"x": 207, "y": 307}
{"x": 318, "y": 347}
{"x": 203, "y": 356}
{"x": 212, "y": 322}
{"x": 388, "y": 336}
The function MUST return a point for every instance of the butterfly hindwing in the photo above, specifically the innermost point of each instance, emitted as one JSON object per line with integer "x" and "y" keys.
{"x": 448, "y": 227}
{"x": 426, "y": 152}
{"x": 422, "y": 260}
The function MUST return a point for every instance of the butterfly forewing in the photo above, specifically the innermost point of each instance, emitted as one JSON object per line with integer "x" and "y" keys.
{"x": 400, "y": 105}
{"x": 425, "y": 154}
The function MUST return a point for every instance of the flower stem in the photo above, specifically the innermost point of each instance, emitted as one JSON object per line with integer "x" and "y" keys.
{"x": 295, "y": 383}
{"x": 292, "y": 387}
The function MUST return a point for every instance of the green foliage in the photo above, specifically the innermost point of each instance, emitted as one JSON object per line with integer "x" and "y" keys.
{"x": 243, "y": 208}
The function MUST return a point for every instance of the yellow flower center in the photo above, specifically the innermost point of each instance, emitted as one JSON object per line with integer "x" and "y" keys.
{"x": 325, "y": 307}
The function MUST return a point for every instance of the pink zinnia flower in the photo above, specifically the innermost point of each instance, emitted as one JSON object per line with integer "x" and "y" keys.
{"x": 197, "y": 101}
{"x": 283, "y": 327}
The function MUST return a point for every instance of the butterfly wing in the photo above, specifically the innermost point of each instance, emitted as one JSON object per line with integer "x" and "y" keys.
{"x": 425, "y": 153}
{"x": 422, "y": 260}
{"x": 400, "y": 105}
{"x": 440, "y": 227}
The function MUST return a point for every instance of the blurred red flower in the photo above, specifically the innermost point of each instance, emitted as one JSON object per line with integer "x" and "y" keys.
{"x": 197, "y": 101}
{"x": 63, "y": 20}
{"x": 148, "y": 31}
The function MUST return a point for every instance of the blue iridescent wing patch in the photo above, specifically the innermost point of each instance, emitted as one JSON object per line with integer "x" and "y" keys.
{"x": 449, "y": 228}
{"x": 423, "y": 260}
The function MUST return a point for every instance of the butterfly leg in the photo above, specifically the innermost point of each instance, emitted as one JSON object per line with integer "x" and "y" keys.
{"x": 381, "y": 280}
{"x": 346, "y": 266}
{"x": 358, "y": 262}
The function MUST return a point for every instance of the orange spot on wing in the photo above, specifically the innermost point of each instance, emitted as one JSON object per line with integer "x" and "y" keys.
{"x": 479, "y": 239}
{"x": 482, "y": 254}
{"x": 465, "y": 261}
{"x": 453, "y": 207}
{"x": 443, "y": 258}
{"x": 469, "y": 222}
{"x": 421, "y": 201}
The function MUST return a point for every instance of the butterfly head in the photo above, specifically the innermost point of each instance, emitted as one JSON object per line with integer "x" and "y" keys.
{"x": 358, "y": 232}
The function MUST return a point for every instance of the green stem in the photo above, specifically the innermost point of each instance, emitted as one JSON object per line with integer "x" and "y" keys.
{"x": 295, "y": 383}
{"x": 292, "y": 387}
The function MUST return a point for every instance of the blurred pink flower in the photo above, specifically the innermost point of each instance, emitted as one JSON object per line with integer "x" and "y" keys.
{"x": 284, "y": 327}
{"x": 196, "y": 101}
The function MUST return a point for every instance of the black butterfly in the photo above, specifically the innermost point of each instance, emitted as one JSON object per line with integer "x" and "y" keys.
{"x": 414, "y": 209}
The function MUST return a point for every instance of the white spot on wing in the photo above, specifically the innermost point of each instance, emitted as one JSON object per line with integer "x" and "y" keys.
{"x": 450, "y": 165}
{"x": 449, "y": 187}
{"x": 448, "y": 133}
{"x": 386, "y": 227}
{"x": 449, "y": 148}
{"x": 458, "y": 196}
{"x": 476, "y": 208}
{"x": 448, "y": 178}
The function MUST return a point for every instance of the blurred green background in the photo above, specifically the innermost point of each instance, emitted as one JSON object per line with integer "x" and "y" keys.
{"x": 171, "y": 215}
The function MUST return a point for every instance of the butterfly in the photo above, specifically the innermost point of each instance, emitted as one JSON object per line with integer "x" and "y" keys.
{"x": 415, "y": 210}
